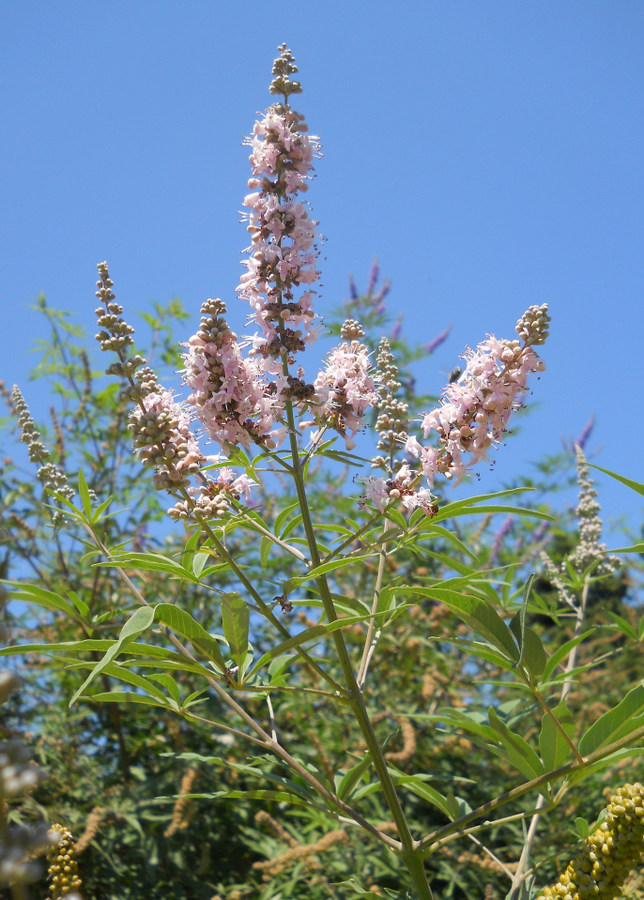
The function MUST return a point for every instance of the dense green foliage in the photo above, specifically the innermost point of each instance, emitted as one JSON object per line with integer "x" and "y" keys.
{"x": 115, "y": 769}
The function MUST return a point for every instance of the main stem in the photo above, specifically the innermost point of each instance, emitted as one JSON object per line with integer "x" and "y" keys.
{"x": 409, "y": 852}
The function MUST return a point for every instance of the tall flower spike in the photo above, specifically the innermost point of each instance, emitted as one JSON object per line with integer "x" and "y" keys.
{"x": 116, "y": 335}
{"x": 475, "y": 409}
{"x": 590, "y": 551}
{"x": 52, "y": 477}
{"x": 392, "y": 418}
{"x": 160, "y": 425}
{"x": 391, "y": 424}
{"x": 282, "y": 253}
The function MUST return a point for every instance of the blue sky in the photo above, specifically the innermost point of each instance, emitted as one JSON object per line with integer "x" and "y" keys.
{"x": 490, "y": 154}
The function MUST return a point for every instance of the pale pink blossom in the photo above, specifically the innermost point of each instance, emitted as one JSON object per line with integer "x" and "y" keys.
{"x": 381, "y": 491}
{"x": 283, "y": 254}
{"x": 474, "y": 412}
{"x": 229, "y": 392}
{"x": 345, "y": 389}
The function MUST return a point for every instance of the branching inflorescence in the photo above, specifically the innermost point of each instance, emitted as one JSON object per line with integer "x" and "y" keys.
{"x": 254, "y": 392}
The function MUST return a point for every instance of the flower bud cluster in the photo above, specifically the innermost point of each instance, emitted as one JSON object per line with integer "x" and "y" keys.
{"x": 609, "y": 854}
{"x": 52, "y": 477}
{"x": 391, "y": 424}
{"x": 212, "y": 499}
{"x": 392, "y": 419}
{"x": 346, "y": 387}
{"x": 161, "y": 433}
{"x": 115, "y": 333}
{"x": 283, "y": 67}
{"x": 230, "y": 394}
{"x": 282, "y": 253}
{"x": 29, "y": 433}
{"x": 533, "y": 326}
{"x": 63, "y": 866}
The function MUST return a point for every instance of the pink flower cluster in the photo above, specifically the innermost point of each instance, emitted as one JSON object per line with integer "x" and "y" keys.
{"x": 474, "y": 412}
{"x": 211, "y": 500}
{"x": 381, "y": 491}
{"x": 472, "y": 416}
{"x": 230, "y": 394}
{"x": 283, "y": 253}
{"x": 345, "y": 389}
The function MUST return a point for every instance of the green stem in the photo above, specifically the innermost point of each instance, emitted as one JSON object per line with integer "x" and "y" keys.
{"x": 409, "y": 850}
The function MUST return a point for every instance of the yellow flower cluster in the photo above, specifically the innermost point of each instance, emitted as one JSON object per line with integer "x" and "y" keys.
{"x": 609, "y": 854}
{"x": 63, "y": 868}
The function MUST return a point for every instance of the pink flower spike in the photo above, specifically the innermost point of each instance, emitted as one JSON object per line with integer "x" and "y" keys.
{"x": 345, "y": 389}
{"x": 475, "y": 409}
{"x": 283, "y": 254}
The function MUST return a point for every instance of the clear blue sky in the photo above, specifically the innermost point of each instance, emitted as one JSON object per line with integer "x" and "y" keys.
{"x": 489, "y": 153}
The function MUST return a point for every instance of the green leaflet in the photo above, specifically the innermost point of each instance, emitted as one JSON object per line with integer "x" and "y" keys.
{"x": 138, "y": 622}
{"x": 616, "y": 723}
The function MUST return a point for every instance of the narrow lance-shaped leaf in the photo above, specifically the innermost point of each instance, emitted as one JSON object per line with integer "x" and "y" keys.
{"x": 236, "y": 623}
{"x": 520, "y": 753}
{"x": 553, "y": 746}
{"x": 181, "y": 622}
{"x": 614, "y": 724}
{"x": 139, "y": 622}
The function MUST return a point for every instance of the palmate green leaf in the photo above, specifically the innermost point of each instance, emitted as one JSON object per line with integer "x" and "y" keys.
{"x": 446, "y": 535}
{"x": 519, "y": 752}
{"x": 265, "y": 546}
{"x": 168, "y": 682}
{"x": 287, "y": 785}
{"x": 533, "y": 653}
{"x": 282, "y": 516}
{"x": 181, "y": 622}
{"x": 80, "y": 604}
{"x": 136, "y": 680}
{"x": 623, "y": 625}
{"x": 139, "y": 621}
{"x": 236, "y": 624}
{"x": 553, "y": 747}
{"x": 470, "y": 506}
{"x": 616, "y": 723}
{"x": 483, "y": 651}
{"x": 610, "y": 760}
{"x": 518, "y": 623}
{"x": 359, "y": 891}
{"x": 479, "y": 615}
